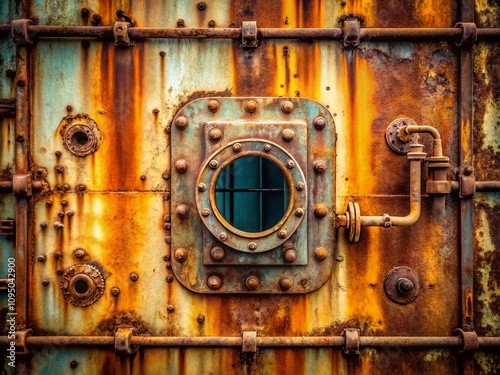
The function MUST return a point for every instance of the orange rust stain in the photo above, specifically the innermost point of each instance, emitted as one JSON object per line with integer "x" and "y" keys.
{"x": 432, "y": 13}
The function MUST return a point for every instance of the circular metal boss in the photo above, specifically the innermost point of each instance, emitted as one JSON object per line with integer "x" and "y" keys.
{"x": 402, "y": 285}
{"x": 81, "y": 135}
{"x": 82, "y": 284}
{"x": 397, "y": 140}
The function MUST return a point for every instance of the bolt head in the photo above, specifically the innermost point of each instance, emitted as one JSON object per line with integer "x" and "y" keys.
{"x": 287, "y": 106}
{"x": 303, "y": 281}
{"x": 321, "y": 253}
{"x": 45, "y": 282}
{"x": 252, "y": 282}
{"x": 182, "y": 211}
{"x": 41, "y": 258}
{"x": 202, "y": 186}
{"x": 290, "y": 255}
{"x": 70, "y": 213}
{"x": 115, "y": 291}
{"x": 180, "y": 254}
{"x": 404, "y": 285}
{"x": 214, "y": 282}
{"x": 299, "y": 212}
{"x": 319, "y": 123}
{"x": 169, "y": 279}
{"x": 300, "y": 186}
{"x": 213, "y": 164}
{"x": 43, "y": 225}
{"x": 237, "y": 147}
{"x": 181, "y": 123}
{"x": 222, "y": 236}
{"x": 213, "y": 106}
{"x": 282, "y": 234}
{"x": 252, "y": 246}
{"x": 287, "y": 135}
{"x": 205, "y": 212}
{"x": 79, "y": 253}
{"x": 251, "y": 106}
{"x": 320, "y": 166}
{"x": 133, "y": 276}
{"x": 290, "y": 164}
{"x": 215, "y": 135}
{"x": 321, "y": 211}
{"x": 267, "y": 148}
{"x": 285, "y": 283}
{"x": 217, "y": 253}
{"x": 181, "y": 166}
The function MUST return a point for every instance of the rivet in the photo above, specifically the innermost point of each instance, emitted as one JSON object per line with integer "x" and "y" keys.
{"x": 290, "y": 164}
{"x": 180, "y": 23}
{"x": 299, "y": 212}
{"x": 166, "y": 197}
{"x": 217, "y": 253}
{"x": 133, "y": 276}
{"x": 59, "y": 169}
{"x": 237, "y": 147}
{"x": 43, "y": 225}
{"x": 45, "y": 282}
{"x": 205, "y": 212}
{"x": 79, "y": 253}
{"x": 319, "y": 123}
{"x": 168, "y": 239}
{"x": 303, "y": 281}
{"x": 252, "y": 246}
{"x": 282, "y": 234}
{"x": 213, "y": 164}
{"x": 290, "y": 255}
{"x": 287, "y": 135}
{"x": 213, "y": 106}
{"x": 252, "y": 282}
{"x": 170, "y": 308}
{"x": 339, "y": 258}
{"x": 166, "y": 218}
{"x": 165, "y": 175}
{"x": 48, "y": 203}
{"x": 320, "y": 166}
{"x": 169, "y": 279}
{"x": 321, "y": 253}
{"x": 58, "y": 225}
{"x": 180, "y": 254}
{"x": 66, "y": 187}
{"x": 300, "y": 186}
{"x": 320, "y": 211}
{"x": 200, "y": 318}
{"x": 285, "y": 283}
{"x": 20, "y": 138}
{"x": 167, "y": 226}
{"x": 214, "y": 282}
{"x": 70, "y": 213}
{"x": 60, "y": 214}
{"x": 96, "y": 19}
{"x": 181, "y": 166}
{"x": 251, "y": 106}
{"x": 222, "y": 236}
{"x": 64, "y": 203}
{"x": 201, "y": 5}
{"x": 168, "y": 265}
{"x": 69, "y": 108}
{"x": 182, "y": 211}
{"x": 404, "y": 285}
{"x": 58, "y": 187}
{"x": 181, "y": 123}
{"x": 58, "y": 153}
{"x": 143, "y": 177}
{"x": 201, "y": 186}
{"x": 59, "y": 272}
{"x": 468, "y": 170}
{"x": 215, "y": 135}
{"x": 156, "y": 111}
{"x": 80, "y": 187}
{"x": 267, "y": 148}
{"x": 211, "y": 23}
{"x": 166, "y": 258}
{"x": 115, "y": 291}
{"x": 41, "y": 258}
{"x": 58, "y": 254}
{"x": 287, "y": 106}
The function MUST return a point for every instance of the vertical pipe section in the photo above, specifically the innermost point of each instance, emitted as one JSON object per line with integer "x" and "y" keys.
{"x": 22, "y": 168}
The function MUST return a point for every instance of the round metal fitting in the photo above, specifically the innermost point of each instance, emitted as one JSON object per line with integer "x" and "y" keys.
{"x": 320, "y": 211}
{"x": 285, "y": 283}
{"x": 181, "y": 166}
{"x": 299, "y": 212}
{"x": 402, "y": 285}
{"x": 115, "y": 291}
{"x": 251, "y": 106}
{"x": 79, "y": 253}
{"x": 170, "y": 308}
{"x": 182, "y": 211}
{"x": 213, "y": 106}
{"x": 303, "y": 281}
{"x": 215, "y": 135}
{"x": 217, "y": 253}
{"x": 252, "y": 246}
{"x": 252, "y": 282}
{"x": 237, "y": 147}
{"x": 180, "y": 254}
{"x": 282, "y": 234}
{"x": 287, "y": 106}
{"x": 213, "y": 164}
{"x": 300, "y": 186}
{"x": 41, "y": 258}
{"x": 81, "y": 135}
{"x": 181, "y": 123}
{"x": 321, "y": 253}
{"x": 267, "y": 148}
{"x": 320, "y": 166}
{"x": 205, "y": 212}
{"x": 319, "y": 123}
{"x": 82, "y": 284}
{"x": 133, "y": 277}
{"x": 287, "y": 135}
{"x": 290, "y": 164}
{"x": 202, "y": 186}
{"x": 222, "y": 236}
{"x": 290, "y": 255}
{"x": 214, "y": 282}
{"x": 397, "y": 139}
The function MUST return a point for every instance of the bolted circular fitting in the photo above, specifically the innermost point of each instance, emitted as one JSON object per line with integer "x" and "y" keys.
{"x": 300, "y": 186}
{"x": 282, "y": 234}
{"x": 200, "y": 318}
{"x": 404, "y": 285}
{"x": 213, "y": 106}
{"x": 320, "y": 211}
{"x": 82, "y": 284}
{"x": 237, "y": 147}
{"x": 202, "y": 186}
{"x": 170, "y": 308}
{"x": 215, "y": 135}
{"x": 251, "y": 106}
{"x": 43, "y": 225}
{"x": 214, "y": 282}
{"x": 287, "y": 106}
{"x": 319, "y": 166}
{"x": 213, "y": 164}
{"x": 182, "y": 211}
{"x": 41, "y": 258}
{"x": 285, "y": 283}
{"x": 252, "y": 282}
{"x": 45, "y": 282}
{"x": 70, "y": 213}
{"x": 287, "y": 135}
{"x": 290, "y": 164}
{"x": 181, "y": 123}
{"x": 290, "y": 255}
{"x": 299, "y": 212}
{"x": 133, "y": 276}
{"x": 303, "y": 281}
{"x": 205, "y": 212}
{"x": 401, "y": 285}
{"x": 180, "y": 254}
{"x": 321, "y": 253}
{"x": 222, "y": 236}
{"x": 79, "y": 253}
{"x": 267, "y": 148}
{"x": 115, "y": 291}
{"x": 319, "y": 123}
{"x": 58, "y": 254}
{"x": 217, "y": 253}
{"x": 252, "y": 246}
{"x": 181, "y": 166}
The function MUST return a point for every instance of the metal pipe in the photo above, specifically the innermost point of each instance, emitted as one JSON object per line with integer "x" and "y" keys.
{"x": 413, "y": 129}
{"x": 491, "y": 186}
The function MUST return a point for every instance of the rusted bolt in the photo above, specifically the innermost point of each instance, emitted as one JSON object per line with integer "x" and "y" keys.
{"x": 48, "y": 204}
{"x": 252, "y": 246}
{"x": 21, "y": 83}
{"x": 73, "y": 364}
{"x": 299, "y": 212}
{"x": 169, "y": 279}
{"x": 267, "y": 148}
{"x": 405, "y": 286}
{"x": 156, "y": 111}
{"x": 167, "y": 226}
{"x": 166, "y": 218}
{"x": 214, "y": 282}
{"x": 252, "y": 282}
{"x": 58, "y": 187}
{"x": 320, "y": 211}
{"x": 213, "y": 164}
{"x": 287, "y": 106}
{"x": 205, "y": 212}
{"x": 282, "y": 234}
{"x": 133, "y": 276}
{"x": 58, "y": 254}
{"x": 319, "y": 123}
{"x": 182, "y": 211}
{"x": 290, "y": 255}
{"x": 43, "y": 225}
{"x": 180, "y": 23}
{"x": 181, "y": 166}
{"x": 180, "y": 254}
{"x": 201, "y": 6}
{"x": 290, "y": 164}
{"x": 59, "y": 272}
{"x": 115, "y": 291}
{"x": 201, "y": 186}
{"x": 58, "y": 225}
{"x": 60, "y": 214}
{"x": 143, "y": 177}
{"x": 211, "y": 23}
{"x": 217, "y": 253}
{"x": 213, "y": 106}
{"x": 166, "y": 197}
{"x": 45, "y": 282}
{"x": 166, "y": 258}
{"x": 79, "y": 253}
{"x": 468, "y": 170}
{"x": 41, "y": 258}
{"x": 287, "y": 135}
{"x": 321, "y": 253}
{"x": 59, "y": 169}
{"x": 64, "y": 203}
{"x": 20, "y": 138}
{"x": 168, "y": 265}
{"x": 319, "y": 166}
{"x": 285, "y": 283}
{"x": 339, "y": 258}
{"x": 300, "y": 186}
{"x": 303, "y": 281}
{"x": 237, "y": 147}
{"x": 66, "y": 187}
{"x": 163, "y": 53}
{"x": 58, "y": 153}
{"x": 215, "y": 135}
{"x": 166, "y": 175}
{"x": 96, "y": 19}
{"x": 181, "y": 123}
{"x": 10, "y": 73}
{"x": 200, "y": 318}
{"x": 222, "y": 236}
{"x": 85, "y": 13}
{"x": 168, "y": 239}
{"x": 80, "y": 187}
{"x": 70, "y": 213}
{"x": 69, "y": 108}
{"x": 387, "y": 220}
{"x": 251, "y": 106}
{"x": 170, "y": 308}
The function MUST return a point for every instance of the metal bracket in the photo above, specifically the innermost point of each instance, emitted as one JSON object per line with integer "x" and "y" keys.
{"x": 469, "y": 34}
{"x": 7, "y": 227}
{"x": 21, "y": 185}
{"x": 20, "y": 32}
{"x": 469, "y": 339}
{"x": 352, "y": 341}
{"x": 120, "y": 32}
{"x": 123, "y": 336}
{"x": 467, "y": 182}
{"x": 351, "y": 30}
{"x": 249, "y": 34}
{"x": 20, "y": 344}
{"x": 249, "y": 346}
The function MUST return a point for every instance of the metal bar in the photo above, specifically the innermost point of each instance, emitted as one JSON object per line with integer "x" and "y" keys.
{"x": 488, "y": 186}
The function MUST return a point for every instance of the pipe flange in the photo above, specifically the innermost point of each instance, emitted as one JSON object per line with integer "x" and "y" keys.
{"x": 402, "y": 285}
{"x": 396, "y": 138}
{"x": 81, "y": 135}
{"x": 82, "y": 284}
{"x": 354, "y": 221}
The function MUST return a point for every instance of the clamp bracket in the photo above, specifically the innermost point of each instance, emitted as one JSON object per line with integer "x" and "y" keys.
{"x": 352, "y": 341}
{"x": 469, "y": 339}
{"x": 469, "y": 34}
{"x": 20, "y": 32}
{"x": 467, "y": 182}
{"x": 249, "y": 34}
{"x": 21, "y": 185}
{"x": 120, "y": 33}
{"x": 249, "y": 345}
{"x": 351, "y": 30}
{"x": 20, "y": 342}
{"x": 123, "y": 337}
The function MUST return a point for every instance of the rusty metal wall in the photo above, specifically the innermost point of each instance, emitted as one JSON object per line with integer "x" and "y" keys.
{"x": 111, "y": 207}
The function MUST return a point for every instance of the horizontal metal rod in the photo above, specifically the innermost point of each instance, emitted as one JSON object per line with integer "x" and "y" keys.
{"x": 487, "y": 185}
{"x": 214, "y": 341}
{"x": 367, "y": 34}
